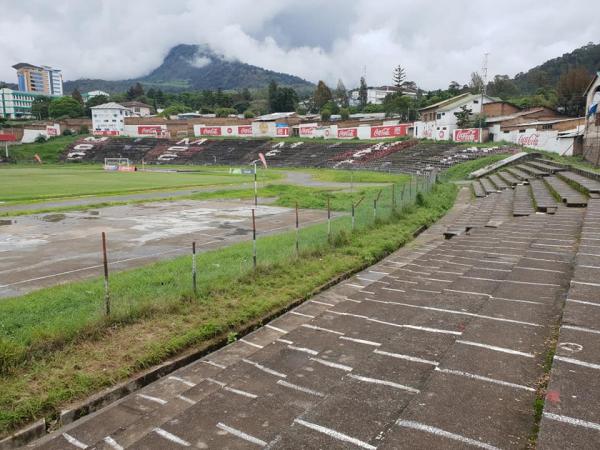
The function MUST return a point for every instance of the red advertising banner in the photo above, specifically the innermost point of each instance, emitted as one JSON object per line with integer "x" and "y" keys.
{"x": 307, "y": 131}
{"x": 466, "y": 135}
{"x": 106, "y": 132}
{"x": 51, "y": 131}
{"x": 7, "y": 137}
{"x": 282, "y": 131}
{"x": 347, "y": 132}
{"x": 531, "y": 140}
{"x": 149, "y": 129}
{"x": 228, "y": 131}
{"x": 210, "y": 131}
{"x": 389, "y": 131}
{"x": 245, "y": 130}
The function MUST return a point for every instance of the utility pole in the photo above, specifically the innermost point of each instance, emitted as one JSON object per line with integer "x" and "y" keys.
{"x": 484, "y": 70}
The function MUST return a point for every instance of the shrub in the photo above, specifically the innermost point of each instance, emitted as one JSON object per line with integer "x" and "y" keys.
{"x": 345, "y": 113}
{"x": 325, "y": 115}
{"x": 225, "y": 112}
{"x": 40, "y": 139}
{"x": 67, "y": 132}
{"x": 248, "y": 114}
{"x": 83, "y": 129}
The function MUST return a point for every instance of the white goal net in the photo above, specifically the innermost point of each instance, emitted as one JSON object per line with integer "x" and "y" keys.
{"x": 117, "y": 164}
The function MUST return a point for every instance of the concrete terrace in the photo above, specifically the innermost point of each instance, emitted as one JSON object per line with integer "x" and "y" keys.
{"x": 441, "y": 345}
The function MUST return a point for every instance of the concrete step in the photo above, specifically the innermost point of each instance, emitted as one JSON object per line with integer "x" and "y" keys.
{"x": 478, "y": 189}
{"x": 510, "y": 179}
{"x": 542, "y": 197}
{"x": 498, "y": 182}
{"x": 518, "y": 173}
{"x": 523, "y": 203}
{"x": 568, "y": 195}
{"x": 537, "y": 164}
{"x": 589, "y": 185}
{"x": 488, "y": 186}
{"x": 532, "y": 170}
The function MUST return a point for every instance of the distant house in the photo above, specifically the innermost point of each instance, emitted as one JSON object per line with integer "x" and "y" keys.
{"x": 87, "y": 95}
{"x": 591, "y": 137}
{"x": 438, "y": 121}
{"x": 108, "y": 119}
{"x": 376, "y": 95}
{"x": 139, "y": 109}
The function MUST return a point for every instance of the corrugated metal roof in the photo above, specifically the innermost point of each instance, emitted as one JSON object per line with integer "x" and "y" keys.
{"x": 109, "y": 105}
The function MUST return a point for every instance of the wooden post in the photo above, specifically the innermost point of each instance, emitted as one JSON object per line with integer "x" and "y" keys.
{"x": 297, "y": 233}
{"x": 328, "y": 220}
{"x": 106, "y": 290}
{"x": 254, "y": 239}
{"x": 255, "y": 187}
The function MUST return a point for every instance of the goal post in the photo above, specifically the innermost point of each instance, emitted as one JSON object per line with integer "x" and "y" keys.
{"x": 117, "y": 164}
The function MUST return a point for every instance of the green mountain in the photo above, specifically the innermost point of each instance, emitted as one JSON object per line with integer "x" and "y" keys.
{"x": 194, "y": 67}
{"x": 547, "y": 74}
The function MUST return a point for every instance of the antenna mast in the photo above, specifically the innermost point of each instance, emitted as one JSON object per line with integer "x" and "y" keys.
{"x": 484, "y": 71}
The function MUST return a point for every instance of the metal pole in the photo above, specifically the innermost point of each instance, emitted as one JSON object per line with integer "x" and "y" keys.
{"x": 328, "y": 221}
{"x": 254, "y": 239}
{"x": 6, "y": 148}
{"x": 105, "y": 261}
{"x": 375, "y": 204}
{"x": 393, "y": 196}
{"x": 352, "y": 216}
{"x": 351, "y": 179}
{"x": 297, "y": 233}
{"x": 194, "y": 267}
{"x": 255, "y": 187}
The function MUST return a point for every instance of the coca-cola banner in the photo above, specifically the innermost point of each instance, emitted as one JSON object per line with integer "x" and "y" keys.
{"x": 282, "y": 131}
{"x": 106, "y": 132}
{"x": 529, "y": 140}
{"x": 51, "y": 131}
{"x": 389, "y": 131}
{"x": 150, "y": 130}
{"x": 307, "y": 131}
{"x": 245, "y": 130}
{"x": 467, "y": 135}
{"x": 347, "y": 133}
{"x": 210, "y": 131}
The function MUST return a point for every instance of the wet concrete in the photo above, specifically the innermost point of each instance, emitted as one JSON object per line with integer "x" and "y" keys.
{"x": 46, "y": 249}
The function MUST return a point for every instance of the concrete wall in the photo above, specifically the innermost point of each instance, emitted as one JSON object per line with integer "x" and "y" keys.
{"x": 547, "y": 140}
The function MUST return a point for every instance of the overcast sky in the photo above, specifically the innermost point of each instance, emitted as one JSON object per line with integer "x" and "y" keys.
{"x": 436, "y": 41}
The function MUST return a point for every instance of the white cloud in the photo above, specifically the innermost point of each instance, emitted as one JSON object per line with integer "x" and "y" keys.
{"x": 435, "y": 41}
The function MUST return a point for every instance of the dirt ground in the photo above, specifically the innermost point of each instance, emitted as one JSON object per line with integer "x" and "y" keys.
{"x": 43, "y": 250}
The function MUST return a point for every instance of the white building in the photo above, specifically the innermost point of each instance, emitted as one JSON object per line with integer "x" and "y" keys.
{"x": 376, "y": 95}
{"x": 591, "y": 139}
{"x": 139, "y": 109}
{"x": 16, "y": 104}
{"x": 438, "y": 121}
{"x": 109, "y": 119}
{"x": 87, "y": 95}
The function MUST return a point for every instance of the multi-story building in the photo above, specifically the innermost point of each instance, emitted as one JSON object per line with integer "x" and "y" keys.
{"x": 16, "y": 104}
{"x": 41, "y": 79}
{"x": 138, "y": 108}
{"x": 591, "y": 137}
{"x": 376, "y": 95}
{"x": 108, "y": 119}
{"x": 87, "y": 95}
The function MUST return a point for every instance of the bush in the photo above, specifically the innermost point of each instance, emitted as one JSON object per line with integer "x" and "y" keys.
{"x": 67, "y": 132}
{"x": 248, "y": 114}
{"x": 40, "y": 139}
{"x": 225, "y": 112}
{"x": 83, "y": 129}
{"x": 345, "y": 113}
{"x": 325, "y": 115}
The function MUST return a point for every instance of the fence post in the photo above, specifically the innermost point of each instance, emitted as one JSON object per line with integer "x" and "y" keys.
{"x": 375, "y": 204}
{"x": 255, "y": 187}
{"x": 352, "y": 216}
{"x": 194, "y": 285}
{"x": 253, "y": 239}
{"x": 328, "y": 221}
{"x": 106, "y": 291}
{"x": 297, "y": 233}
{"x": 393, "y": 196}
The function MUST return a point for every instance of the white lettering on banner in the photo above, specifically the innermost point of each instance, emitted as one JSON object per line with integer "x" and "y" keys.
{"x": 467, "y": 135}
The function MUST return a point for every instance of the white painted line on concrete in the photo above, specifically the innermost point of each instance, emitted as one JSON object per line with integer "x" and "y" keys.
{"x": 407, "y": 357}
{"x": 112, "y": 443}
{"x": 326, "y": 330}
{"x": 264, "y": 369}
{"x": 393, "y": 289}
{"x": 585, "y": 283}
{"x": 357, "y": 286}
{"x": 529, "y": 302}
{"x": 482, "y": 378}
{"x": 160, "y": 401}
{"x": 367, "y": 292}
{"x": 332, "y": 364}
{"x": 371, "y": 281}
{"x": 463, "y": 313}
{"x": 586, "y": 330}
{"x": 240, "y": 392}
{"x": 250, "y": 343}
{"x": 384, "y": 383}
{"x": 212, "y": 363}
{"x": 71, "y": 440}
{"x": 182, "y": 380}
{"x": 186, "y": 399}
{"x": 529, "y": 283}
{"x": 450, "y": 273}
{"x": 212, "y": 380}
{"x": 539, "y": 270}
{"x": 572, "y": 421}
{"x": 443, "y": 433}
{"x": 300, "y": 388}
{"x": 468, "y": 292}
{"x": 302, "y": 314}
{"x": 273, "y": 327}
{"x": 577, "y": 362}
{"x": 589, "y": 267}
{"x": 571, "y": 300}
{"x": 241, "y": 435}
{"x": 495, "y": 348}
{"x": 335, "y": 434}
{"x": 285, "y": 341}
{"x": 347, "y": 314}
{"x": 303, "y": 350}
{"x": 380, "y": 273}
{"x": 437, "y": 279}
{"x": 171, "y": 437}
{"x": 429, "y": 291}
{"x": 322, "y": 303}
{"x": 360, "y": 341}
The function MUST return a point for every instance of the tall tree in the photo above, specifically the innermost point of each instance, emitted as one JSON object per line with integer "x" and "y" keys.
{"x": 341, "y": 94}
{"x": 39, "y": 107}
{"x": 77, "y": 95}
{"x": 65, "y": 107}
{"x": 322, "y": 95}
{"x": 476, "y": 83}
{"x": 272, "y": 95}
{"x": 398, "y": 105}
{"x": 94, "y": 101}
{"x": 135, "y": 91}
{"x": 463, "y": 117}
{"x": 362, "y": 92}
{"x": 399, "y": 76}
{"x": 286, "y": 100}
{"x": 502, "y": 86}
{"x": 454, "y": 88}
{"x": 570, "y": 90}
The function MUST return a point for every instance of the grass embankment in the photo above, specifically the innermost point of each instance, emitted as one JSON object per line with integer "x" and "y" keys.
{"x": 48, "y": 151}
{"x": 56, "y": 345}
{"x": 34, "y": 184}
{"x": 462, "y": 171}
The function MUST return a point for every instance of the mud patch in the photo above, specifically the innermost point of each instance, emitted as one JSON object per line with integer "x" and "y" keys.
{"x": 53, "y": 217}
{"x": 94, "y": 213}
{"x": 5, "y": 222}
